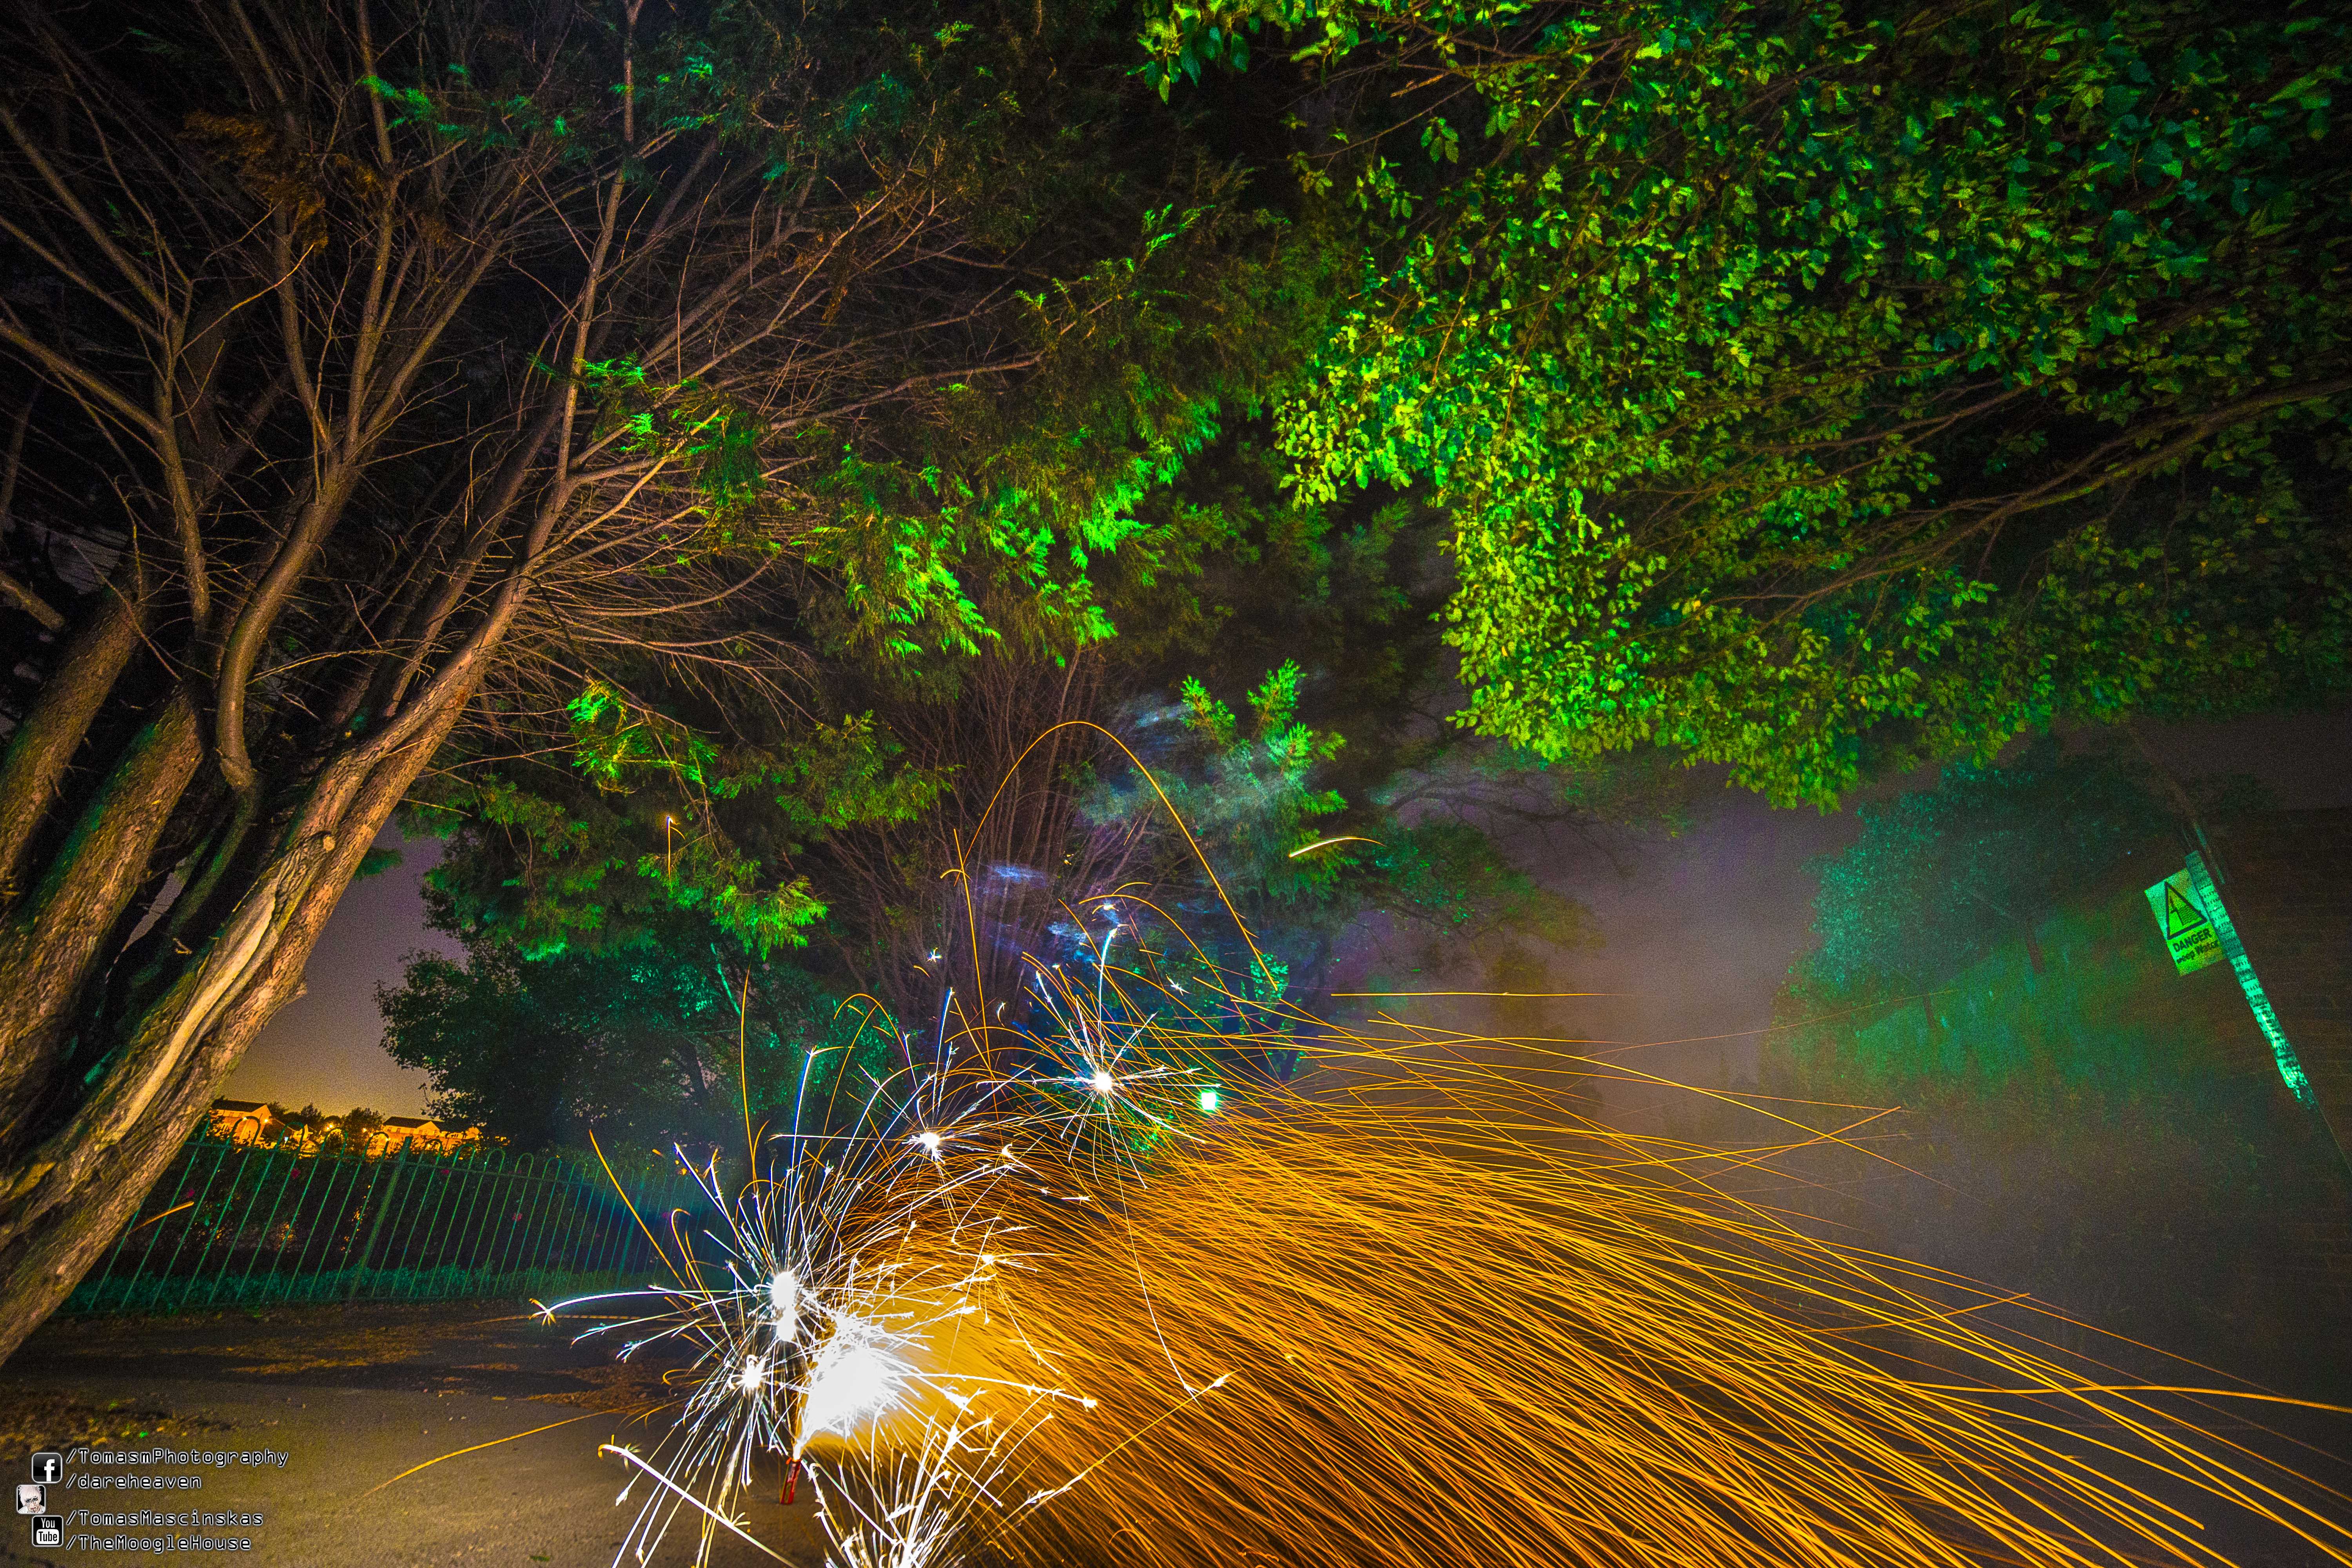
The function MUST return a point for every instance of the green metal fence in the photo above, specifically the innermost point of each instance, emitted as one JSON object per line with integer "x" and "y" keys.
{"x": 239, "y": 1225}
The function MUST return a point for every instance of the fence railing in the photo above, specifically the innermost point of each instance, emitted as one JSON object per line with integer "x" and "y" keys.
{"x": 234, "y": 1223}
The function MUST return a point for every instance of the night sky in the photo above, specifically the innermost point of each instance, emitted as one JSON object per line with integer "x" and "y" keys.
{"x": 1695, "y": 937}
{"x": 327, "y": 1048}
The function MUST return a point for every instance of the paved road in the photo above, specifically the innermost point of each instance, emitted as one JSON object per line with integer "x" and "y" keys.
{"x": 354, "y": 1397}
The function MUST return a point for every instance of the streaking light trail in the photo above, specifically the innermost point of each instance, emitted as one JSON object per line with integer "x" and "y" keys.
{"x": 1102, "y": 1286}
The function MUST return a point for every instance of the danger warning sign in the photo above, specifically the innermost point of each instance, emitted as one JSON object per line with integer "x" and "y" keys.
{"x": 2188, "y": 930}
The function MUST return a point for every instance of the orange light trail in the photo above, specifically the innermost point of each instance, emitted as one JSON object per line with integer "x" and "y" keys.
{"x": 1443, "y": 1320}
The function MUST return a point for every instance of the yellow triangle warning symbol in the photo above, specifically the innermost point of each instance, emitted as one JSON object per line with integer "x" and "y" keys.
{"x": 2189, "y": 930}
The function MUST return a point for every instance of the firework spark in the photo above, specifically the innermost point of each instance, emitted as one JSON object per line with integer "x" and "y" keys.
{"x": 1099, "y": 1286}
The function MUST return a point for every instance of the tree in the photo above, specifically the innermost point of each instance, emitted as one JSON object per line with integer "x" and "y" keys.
{"x": 419, "y": 381}
{"x": 359, "y": 1125}
{"x": 1939, "y": 876}
{"x": 304, "y": 1124}
{"x": 1230, "y": 580}
{"x": 1231, "y": 833}
{"x": 666, "y": 1040}
{"x": 1821, "y": 390}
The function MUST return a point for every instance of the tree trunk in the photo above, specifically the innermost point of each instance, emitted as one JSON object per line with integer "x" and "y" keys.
{"x": 58, "y": 935}
{"x": 62, "y": 1203}
{"x": 45, "y": 742}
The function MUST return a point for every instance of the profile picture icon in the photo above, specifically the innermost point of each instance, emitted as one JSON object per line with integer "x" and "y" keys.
{"x": 31, "y": 1498}
{"x": 48, "y": 1470}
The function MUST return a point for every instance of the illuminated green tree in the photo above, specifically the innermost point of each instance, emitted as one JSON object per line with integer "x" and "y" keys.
{"x": 1822, "y": 389}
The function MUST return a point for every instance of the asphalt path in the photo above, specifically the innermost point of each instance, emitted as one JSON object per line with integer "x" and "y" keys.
{"x": 504, "y": 1415}
{"x": 353, "y": 1399}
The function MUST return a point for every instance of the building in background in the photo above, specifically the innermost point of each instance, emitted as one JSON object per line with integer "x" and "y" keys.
{"x": 255, "y": 1121}
{"x": 240, "y": 1120}
{"x": 420, "y": 1134}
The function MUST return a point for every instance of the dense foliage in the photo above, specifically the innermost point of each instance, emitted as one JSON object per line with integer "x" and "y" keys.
{"x": 1941, "y": 876}
{"x": 1050, "y": 768}
{"x": 663, "y": 1042}
{"x": 980, "y": 511}
{"x": 1824, "y": 389}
